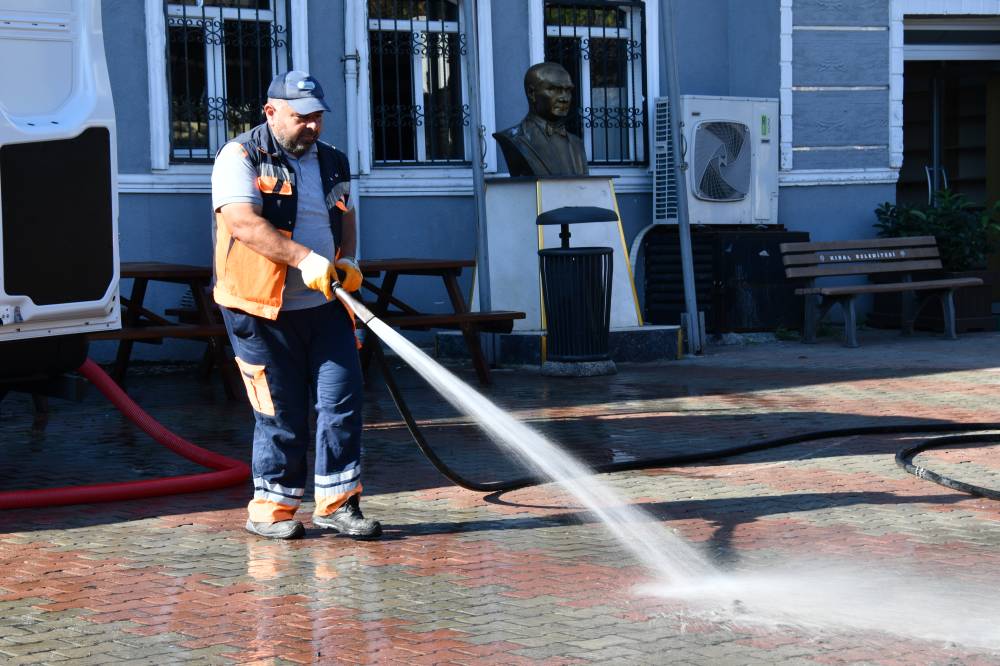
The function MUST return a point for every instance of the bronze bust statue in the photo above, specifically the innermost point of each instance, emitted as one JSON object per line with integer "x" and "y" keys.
{"x": 540, "y": 145}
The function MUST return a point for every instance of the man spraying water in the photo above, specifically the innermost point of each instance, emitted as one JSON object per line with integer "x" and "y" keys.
{"x": 282, "y": 210}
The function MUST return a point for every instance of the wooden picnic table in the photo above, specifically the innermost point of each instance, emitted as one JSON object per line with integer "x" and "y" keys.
{"x": 202, "y": 321}
{"x": 139, "y": 324}
{"x": 395, "y": 312}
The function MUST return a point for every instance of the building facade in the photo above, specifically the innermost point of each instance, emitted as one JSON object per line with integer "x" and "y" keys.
{"x": 188, "y": 74}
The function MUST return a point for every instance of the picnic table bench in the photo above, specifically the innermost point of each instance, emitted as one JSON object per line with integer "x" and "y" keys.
{"x": 899, "y": 257}
{"x": 139, "y": 324}
{"x": 395, "y": 312}
{"x": 201, "y": 319}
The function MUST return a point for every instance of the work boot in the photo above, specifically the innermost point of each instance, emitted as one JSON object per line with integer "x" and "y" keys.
{"x": 283, "y": 529}
{"x": 349, "y": 520}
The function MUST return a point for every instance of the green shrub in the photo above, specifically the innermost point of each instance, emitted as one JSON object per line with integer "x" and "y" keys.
{"x": 782, "y": 333}
{"x": 966, "y": 234}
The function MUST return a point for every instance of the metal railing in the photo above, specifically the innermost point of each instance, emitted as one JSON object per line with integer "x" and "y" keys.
{"x": 221, "y": 57}
{"x": 420, "y": 114}
{"x": 601, "y": 44}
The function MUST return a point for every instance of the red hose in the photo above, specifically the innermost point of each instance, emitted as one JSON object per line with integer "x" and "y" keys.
{"x": 229, "y": 472}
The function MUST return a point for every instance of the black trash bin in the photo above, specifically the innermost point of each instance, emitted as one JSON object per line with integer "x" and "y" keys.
{"x": 576, "y": 286}
{"x": 576, "y": 291}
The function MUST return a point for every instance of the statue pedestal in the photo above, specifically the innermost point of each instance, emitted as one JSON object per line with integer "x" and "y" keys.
{"x": 512, "y": 204}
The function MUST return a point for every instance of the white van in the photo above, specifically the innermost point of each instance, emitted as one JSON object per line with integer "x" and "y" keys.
{"x": 59, "y": 264}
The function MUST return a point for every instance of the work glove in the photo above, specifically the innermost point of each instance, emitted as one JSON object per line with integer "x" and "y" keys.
{"x": 318, "y": 273}
{"x": 351, "y": 280}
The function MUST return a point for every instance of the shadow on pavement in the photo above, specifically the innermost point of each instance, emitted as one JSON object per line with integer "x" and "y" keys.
{"x": 725, "y": 515}
{"x": 647, "y": 411}
{"x": 597, "y": 442}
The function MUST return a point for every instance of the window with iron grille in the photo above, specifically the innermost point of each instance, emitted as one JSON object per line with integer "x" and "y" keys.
{"x": 601, "y": 45}
{"x": 221, "y": 57}
{"x": 420, "y": 114}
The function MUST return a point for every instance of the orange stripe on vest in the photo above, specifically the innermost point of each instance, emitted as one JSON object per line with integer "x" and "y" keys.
{"x": 270, "y": 185}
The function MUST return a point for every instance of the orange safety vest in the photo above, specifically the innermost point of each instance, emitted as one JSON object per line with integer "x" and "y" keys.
{"x": 244, "y": 279}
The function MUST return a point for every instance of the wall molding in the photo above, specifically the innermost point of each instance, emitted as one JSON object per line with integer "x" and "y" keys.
{"x": 968, "y": 7}
{"x": 813, "y": 177}
{"x": 445, "y": 182}
{"x": 898, "y": 54}
{"x": 159, "y": 104}
{"x": 299, "y": 22}
{"x": 487, "y": 102}
{"x": 785, "y": 95}
{"x": 788, "y": 176}
{"x": 171, "y": 182}
{"x": 457, "y": 182}
{"x": 536, "y": 31}
{"x": 895, "y": 84}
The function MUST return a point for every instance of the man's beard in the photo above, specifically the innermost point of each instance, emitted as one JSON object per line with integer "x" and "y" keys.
{"x": 292, "y": 147}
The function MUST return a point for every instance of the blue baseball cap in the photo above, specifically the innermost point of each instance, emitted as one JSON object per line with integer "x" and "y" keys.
{"x": 303, "y": 93}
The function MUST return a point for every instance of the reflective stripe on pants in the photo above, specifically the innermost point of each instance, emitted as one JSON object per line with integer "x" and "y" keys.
{"x": 303, "y": 354}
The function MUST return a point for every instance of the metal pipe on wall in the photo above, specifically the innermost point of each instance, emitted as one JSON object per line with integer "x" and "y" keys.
{"x": 351, "y": 61}
{"x": 470, "y": 10}
{"x": 936, "y": 93}
{"x": 668, "y": 46}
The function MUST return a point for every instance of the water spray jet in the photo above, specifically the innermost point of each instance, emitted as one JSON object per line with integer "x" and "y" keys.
{"x": 903, "y": 457}
{"x": 815, "y": 597}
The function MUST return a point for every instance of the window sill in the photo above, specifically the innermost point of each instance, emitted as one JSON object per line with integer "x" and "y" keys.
{"x": 457, "y": 181}
{"x": 814, "y": 177}
{"x": 630, "y": 180}
{"x": 177, "y": 179}
{"x": 417, "y": 182}
{"x": 382, "y": 182}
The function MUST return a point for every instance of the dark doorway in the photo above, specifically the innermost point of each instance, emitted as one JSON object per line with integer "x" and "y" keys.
{"x": 951, "y": 120}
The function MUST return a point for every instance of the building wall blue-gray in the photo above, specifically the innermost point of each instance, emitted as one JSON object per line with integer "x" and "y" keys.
{"x": 426, "y": 227}
{"x": 702, "y": 44}
{"x": 173, "y": 228}
{"x": 847, "y": 127}
{"x": 754, "y": 48}
{"x": 725, "y": 47}
{"x": 511, "y": 60}
{"x": 124, "y": 25}
{"x": 636, "y": 211}
{"x": 833, "y": 212}
{"x": 326, "y": 53}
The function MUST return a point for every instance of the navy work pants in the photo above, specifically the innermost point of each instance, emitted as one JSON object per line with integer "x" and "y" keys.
{"x": 301, "y": 356}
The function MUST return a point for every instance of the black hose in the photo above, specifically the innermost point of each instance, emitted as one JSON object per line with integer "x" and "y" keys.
{"x": 902, "y": 458}
{"x": 418, "y": 436}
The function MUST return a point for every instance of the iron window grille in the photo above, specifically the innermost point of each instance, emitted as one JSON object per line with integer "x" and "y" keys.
{"x": 221, "y": 57}
{"x": 601, "y": 44}
{"x": 420, "y": 113}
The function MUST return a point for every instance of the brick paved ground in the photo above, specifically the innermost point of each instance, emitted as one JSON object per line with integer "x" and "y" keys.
{"x": 525, "y": 577}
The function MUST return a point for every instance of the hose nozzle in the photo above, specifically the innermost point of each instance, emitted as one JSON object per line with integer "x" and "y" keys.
{"x": 353, "y": 304}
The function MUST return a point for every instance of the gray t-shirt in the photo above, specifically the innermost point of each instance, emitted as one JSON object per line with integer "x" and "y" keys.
{"x": 234, "y": 180}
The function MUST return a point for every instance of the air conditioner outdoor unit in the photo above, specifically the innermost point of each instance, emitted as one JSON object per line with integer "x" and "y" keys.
{"x": 729, "y": 149}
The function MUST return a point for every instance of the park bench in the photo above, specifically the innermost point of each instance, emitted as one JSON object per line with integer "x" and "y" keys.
{"x": 897, "y": 258}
